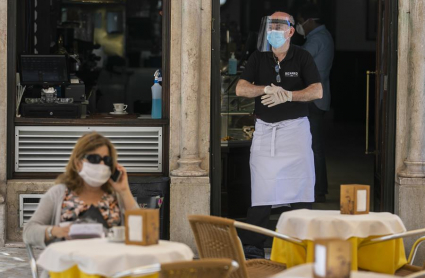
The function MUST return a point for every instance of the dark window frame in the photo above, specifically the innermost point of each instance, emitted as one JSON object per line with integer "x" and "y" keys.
{"x": 13, "y": 40}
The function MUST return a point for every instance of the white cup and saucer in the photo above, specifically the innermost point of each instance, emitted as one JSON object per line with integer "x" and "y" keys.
{"x": 116, "y": 234}
{"x": 119, "y": 109}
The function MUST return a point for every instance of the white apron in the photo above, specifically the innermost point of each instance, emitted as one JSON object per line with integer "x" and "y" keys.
{"x": 282, "y": 163}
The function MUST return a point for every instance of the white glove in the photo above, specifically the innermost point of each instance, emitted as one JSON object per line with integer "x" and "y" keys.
{"x": 275, "y": 95}
{"x": 268, "y": 90}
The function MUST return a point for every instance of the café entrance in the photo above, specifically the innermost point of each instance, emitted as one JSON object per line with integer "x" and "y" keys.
{"x": 359, "y": 127}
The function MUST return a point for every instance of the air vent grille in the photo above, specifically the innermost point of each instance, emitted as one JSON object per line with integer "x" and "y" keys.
{"x": 48, "y": 148}
{"x": 28, "y": 203}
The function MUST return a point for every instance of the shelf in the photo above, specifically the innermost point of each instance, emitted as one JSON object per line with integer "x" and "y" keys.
{"x": 93, "y": 120}
{"x": 235, "y": 113}
{"x": 236, "y": 143}
{"x": 93, "y": 2}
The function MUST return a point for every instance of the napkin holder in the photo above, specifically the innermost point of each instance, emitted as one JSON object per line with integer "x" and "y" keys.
{"x": 332, "y": 258}
{"x": 355, "y": 199}
{"x": 142, "y": 226}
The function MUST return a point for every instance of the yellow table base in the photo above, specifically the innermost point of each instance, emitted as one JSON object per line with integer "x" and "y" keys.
{"x": 75, "y": 272}
{"x": 385, "y": 257}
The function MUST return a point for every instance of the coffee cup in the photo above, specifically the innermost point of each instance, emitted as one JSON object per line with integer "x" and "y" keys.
{"x": 120, "y": 107}
{"x": 117, "y": 233}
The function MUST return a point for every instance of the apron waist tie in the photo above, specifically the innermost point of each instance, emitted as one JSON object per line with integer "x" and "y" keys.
{"x": 273, "y": 141}
{"x": 274, "y": 127}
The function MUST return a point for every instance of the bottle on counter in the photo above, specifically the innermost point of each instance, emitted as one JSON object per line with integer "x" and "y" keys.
{"x": 233, "y": 64}
{"x": 157, "y": 97}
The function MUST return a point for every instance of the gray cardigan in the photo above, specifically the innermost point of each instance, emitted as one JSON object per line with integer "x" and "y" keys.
{"x": 48, "y": 213}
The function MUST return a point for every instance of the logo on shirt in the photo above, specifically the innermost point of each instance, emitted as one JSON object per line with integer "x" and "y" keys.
{"x": 291, "y": 74}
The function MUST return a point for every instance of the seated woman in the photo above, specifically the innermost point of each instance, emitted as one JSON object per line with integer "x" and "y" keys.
{"x": 85, "y": 185}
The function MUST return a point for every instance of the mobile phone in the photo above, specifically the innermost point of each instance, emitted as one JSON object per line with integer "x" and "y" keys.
{"x": 116, "y": 175}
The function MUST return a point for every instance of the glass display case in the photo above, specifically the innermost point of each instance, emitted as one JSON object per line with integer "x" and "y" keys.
{"x": 237, "y": 119}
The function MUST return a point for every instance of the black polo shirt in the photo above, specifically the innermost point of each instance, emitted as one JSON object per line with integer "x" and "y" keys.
{"x": 297, "y": 71}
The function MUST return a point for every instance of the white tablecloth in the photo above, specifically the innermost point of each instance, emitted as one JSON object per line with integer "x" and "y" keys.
{"x": 98, "y": 256}
{"x": 306, "y": 271}
{"x": 312, "y": 224}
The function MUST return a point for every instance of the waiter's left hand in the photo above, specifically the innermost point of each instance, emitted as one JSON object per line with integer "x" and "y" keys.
{"x": 276, "y": 96}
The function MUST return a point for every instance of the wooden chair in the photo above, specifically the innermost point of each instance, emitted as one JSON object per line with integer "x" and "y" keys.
{"x": 419, "y": 274}
{"x": 208, "y": 268}
{"x": 216, "y": 237}
{"x": 407, "y": 269}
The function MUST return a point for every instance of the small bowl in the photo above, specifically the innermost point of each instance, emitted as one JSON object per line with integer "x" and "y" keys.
{"x": 33, "y": 100}
{"x": 64, "y": 100}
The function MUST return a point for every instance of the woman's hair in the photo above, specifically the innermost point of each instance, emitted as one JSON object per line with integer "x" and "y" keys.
{"x": 87, "y": 143}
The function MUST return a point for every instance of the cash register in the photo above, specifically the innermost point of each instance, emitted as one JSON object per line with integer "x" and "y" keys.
{"x": 49, "y": 73}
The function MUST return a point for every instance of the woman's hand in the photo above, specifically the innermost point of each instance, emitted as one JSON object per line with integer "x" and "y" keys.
{"x": 121, "y": 185}
{"x": 61, "y": 232}
{"x": 122, "y": 188}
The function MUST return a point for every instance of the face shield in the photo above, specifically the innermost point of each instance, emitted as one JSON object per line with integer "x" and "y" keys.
{"x": 273, "y": 33}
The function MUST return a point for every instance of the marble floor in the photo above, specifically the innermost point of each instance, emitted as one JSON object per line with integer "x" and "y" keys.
{"x": 14, "y": 262}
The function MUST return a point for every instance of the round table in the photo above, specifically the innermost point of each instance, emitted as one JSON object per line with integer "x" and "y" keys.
{"x": 306, "y": 271}
{"x": 308, "y": 225}
{"x": 99, "y": 257}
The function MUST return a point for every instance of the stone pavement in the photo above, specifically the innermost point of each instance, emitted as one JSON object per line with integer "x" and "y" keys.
{"x": 14, "y": 262}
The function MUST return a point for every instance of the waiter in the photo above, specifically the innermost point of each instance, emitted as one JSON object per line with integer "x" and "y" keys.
{"x": 282, "y": 78}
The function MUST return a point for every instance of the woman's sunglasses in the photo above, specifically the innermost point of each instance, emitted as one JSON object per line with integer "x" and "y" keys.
{"x": 96, "y": 159}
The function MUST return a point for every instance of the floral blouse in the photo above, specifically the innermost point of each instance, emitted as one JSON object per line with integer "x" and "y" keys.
{"x": 72, "y": 207}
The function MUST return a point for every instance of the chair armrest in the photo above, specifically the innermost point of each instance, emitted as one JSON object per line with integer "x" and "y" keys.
{"x": 415, "y": 247}
{"x": 391, "y": 237}
{"x": 33, "y": 263}
{"x": 270, "y": 233}
{"x": 416, "y": 274}
{"x": 139, "y": 271}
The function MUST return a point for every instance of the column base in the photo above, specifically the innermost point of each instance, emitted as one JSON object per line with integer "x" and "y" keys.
{"x": 187, "y": 196}
{"x": 189, "y": 168}
{"x": 409, "y": 196}
{"x": 2, "y": 221}
{"x": 413, "y": 170}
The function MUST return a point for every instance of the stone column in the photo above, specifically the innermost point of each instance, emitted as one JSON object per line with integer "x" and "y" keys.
{"x": 3, "y": 117}
{"x": 410, "y": 141}
{"x": 189, "y": 114}
{"x": 189, "y": 162}
{"x": 415, "y": 161}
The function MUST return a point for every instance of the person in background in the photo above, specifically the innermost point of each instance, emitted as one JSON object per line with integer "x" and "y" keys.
{"x": 320, "y": 45}
{"x": 85, "y": 186}
{"x": 282, "y": 78}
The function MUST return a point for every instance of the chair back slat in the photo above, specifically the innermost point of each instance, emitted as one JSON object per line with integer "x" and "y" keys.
{"x": 216, "y": 237}
{"x": 206, "y": 268}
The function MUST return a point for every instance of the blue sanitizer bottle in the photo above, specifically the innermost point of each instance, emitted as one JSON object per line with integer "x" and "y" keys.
{"x": 157, "y": 97}
{"x": 233, "y": 64}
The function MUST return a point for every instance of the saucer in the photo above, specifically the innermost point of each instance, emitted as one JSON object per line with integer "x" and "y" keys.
{"x": 111, "y": 239}
{"x": 118, "y": 113}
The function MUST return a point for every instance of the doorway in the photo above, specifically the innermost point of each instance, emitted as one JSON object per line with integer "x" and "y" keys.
{"x": 355, "y": 27}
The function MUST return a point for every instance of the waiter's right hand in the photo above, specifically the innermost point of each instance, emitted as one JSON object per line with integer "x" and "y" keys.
{"x": 275, "y": 95}
{"x": 269, "y": 90}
